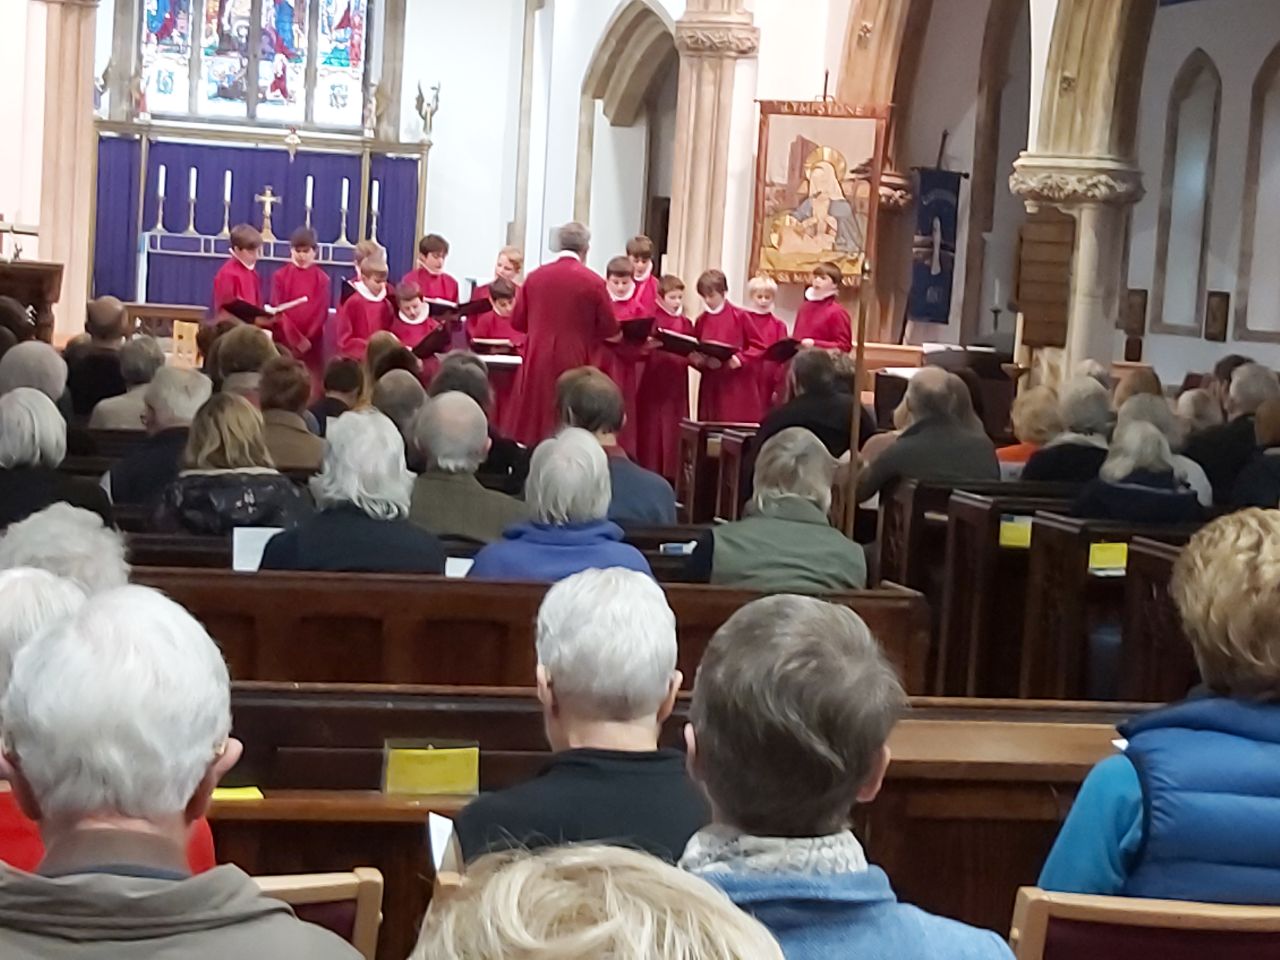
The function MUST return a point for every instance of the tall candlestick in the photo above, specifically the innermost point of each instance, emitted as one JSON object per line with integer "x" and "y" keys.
{"x": 377, "y": 185}
{"x": 995, "y": 303}
{"x": 191, "y": 187}
{"x": 311, "y": 183}
{"x": 226, "y": 187}
{"x": 346, "y": 192}
{"x": 160, "y": 181}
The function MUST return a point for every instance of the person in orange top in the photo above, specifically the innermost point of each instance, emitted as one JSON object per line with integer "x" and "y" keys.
{"x": 237, "y": 279}
{"x": 1035, "y": 422}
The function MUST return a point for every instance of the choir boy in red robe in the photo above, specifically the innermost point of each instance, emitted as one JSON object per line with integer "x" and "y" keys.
{"x": 729, "y": 392}
{"x": 496, "y": 325}
{"x": 301, "y": 328}
{"x": 662, "y": 399}
{"x": 640, "y": 253}
{"x": 822, "y": 322}
{"x": 412, "y": 324}
{"x": 429, "y": 274}
{"x": 621, "y": 361}
{"x": 367, "y": 311}
{"x": 564, "y": 308}
{"x": 237, "y": 279}
{"x": 510, "y": 267}
{"x": 766, "y": 330}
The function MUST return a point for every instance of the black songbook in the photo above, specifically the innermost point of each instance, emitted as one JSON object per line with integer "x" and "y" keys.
{"x": 446, "y": 308}
{"x": 488, "y": 346}
{"x": 437, "y": 341}
{"x": 348, "y": 288}
{"x": 783, "y": 350}
{"x": 636, "y": 330}
{"x": 682, "y": 345}
{"x": 245, "y": 311}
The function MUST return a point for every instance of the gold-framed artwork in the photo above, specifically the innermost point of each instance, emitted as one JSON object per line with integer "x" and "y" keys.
{"x": 817, "y": 188}
{"x": 1217, "y": 314}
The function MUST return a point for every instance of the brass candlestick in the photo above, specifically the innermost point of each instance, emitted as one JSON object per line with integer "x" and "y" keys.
{"x": 159, "y": 227}
{"x": 226, "y": 219}
{"x": 191, "y": 218}
{"x": 342, "y": 234}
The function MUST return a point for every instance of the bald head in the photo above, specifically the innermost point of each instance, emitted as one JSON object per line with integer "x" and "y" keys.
{"x": 929, "y": 394}
{"x": 453, "y": 433}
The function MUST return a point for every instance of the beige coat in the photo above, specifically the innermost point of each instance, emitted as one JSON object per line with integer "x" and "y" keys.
{"x": 458, "y": 505}
{"x": 292, "y": 445}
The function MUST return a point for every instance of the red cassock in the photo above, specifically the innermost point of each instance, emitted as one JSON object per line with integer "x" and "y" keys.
{"x": 622, "y": 362}
{"x": 766, "y": 330}
{"x": 434, "y": 286}
{"x": 647, "y": 294}
{"x": 301, "y": 329}
{"x": 359, "y": 319}
{"x": 235, "y": 281}
{"x": 726, "y": 395}
{"x": 493, "y": 326}
{"x": 565, "y": 309}
{"x": 662, "y": 401}
{"x": 824, "y": 322}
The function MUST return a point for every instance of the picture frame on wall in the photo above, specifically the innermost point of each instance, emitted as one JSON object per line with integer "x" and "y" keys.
{"x": 1217, "y": 314}
{"x": 1134, "y": 320}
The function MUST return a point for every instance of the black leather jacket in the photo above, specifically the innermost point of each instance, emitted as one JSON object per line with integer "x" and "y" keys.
{"x": 216, "y": 501}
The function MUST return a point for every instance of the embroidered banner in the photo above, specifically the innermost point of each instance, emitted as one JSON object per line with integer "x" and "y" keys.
{"x": 934, "y": 246}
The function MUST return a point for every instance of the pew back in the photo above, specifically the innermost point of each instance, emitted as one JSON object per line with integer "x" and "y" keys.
{"x": 1156, "y": 660}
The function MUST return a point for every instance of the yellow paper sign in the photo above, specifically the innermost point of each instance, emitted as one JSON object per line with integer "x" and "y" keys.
{"x": 431, "y": 771}
{"x": 1015, "y": 533}
{"x": 1108, "y": 558}
{"x": 237, "y": 793}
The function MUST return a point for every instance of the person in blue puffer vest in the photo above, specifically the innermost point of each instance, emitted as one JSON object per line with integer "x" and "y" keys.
{"x": 1190, "y": 810}
{"x": 789, "y": 723}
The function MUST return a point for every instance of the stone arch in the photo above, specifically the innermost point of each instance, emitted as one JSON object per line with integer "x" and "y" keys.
{"x": 635, "y": 50}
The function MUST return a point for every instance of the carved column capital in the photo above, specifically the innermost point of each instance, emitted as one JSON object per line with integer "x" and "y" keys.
{"x": 722, "y": 38}
{"x": 1067, "y": 182}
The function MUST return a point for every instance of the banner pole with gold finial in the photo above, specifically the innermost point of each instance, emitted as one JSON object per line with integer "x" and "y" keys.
{"x": 855, "y": 429}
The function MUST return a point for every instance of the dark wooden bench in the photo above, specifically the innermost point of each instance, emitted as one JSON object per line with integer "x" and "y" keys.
{"x": 1065, "y": 602}
{"x": 398, "y": 629}
{"x": 1156, "y": 660}
{"x": 116, "y": 444}
{"x": 984, "y": 594}
{"x": 987, "y": 781}
{"x": 699, "y": 470}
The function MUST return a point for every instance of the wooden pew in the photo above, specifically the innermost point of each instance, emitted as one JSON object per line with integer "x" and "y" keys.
{"x": 699, "y": 470}
{"x": 1065, "y": 602}
{"x": 405, "y": 629}
{"x": 973, "y": 799}
{"x": 984, "y": 595}
{"x": 1156, "y": 660}
{"x": 735, "y": 460}
{"x": 115, "y": 444}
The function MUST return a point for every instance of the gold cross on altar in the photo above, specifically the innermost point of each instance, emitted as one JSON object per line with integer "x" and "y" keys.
{"x": 268, "y": 200}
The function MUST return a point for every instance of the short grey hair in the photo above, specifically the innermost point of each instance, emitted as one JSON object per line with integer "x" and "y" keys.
{"x": 140, "y": 358}
{"x": 175, "y": 395}
{"x": 31, "y": 601}
{"x": 34, "y": 364}
{"x": 1085, "y": 407}
{"x": 1137, "y": 445}
{"x": 364, "y": 465}
{"x": 929, "y": 395}
{"x": 32, "y": 431}
{"x": 569, "y": 479}
{"x": 452, "y": 433}
{"x": 794, "y": 463}
{"x": 69, "y": 542}
{"x": 573, "y": 237}
{"x": 1148, "y": 408}
{"x": 399, "y": 395}
{"x": 793, "y": 701}
{"x": 607, "y": 640}
{"x": 121, "y": 708}
{"x": 1252, "y": 385}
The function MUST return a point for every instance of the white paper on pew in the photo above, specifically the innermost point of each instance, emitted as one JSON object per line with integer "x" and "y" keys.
{"x": 457, "y": 567}
{"x": 440, "y": 830}
{"x": 906, "y": 373}
{"x": 502, "y": 360}
{"x": 247, "y": 544}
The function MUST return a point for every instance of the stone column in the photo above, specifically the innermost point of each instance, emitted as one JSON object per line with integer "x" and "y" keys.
{"x": 711, "y": 38}
{"x": 1099, "y": 193}
{"x": 66, "y": 186}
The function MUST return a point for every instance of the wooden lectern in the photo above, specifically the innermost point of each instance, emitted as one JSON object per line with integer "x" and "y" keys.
{"x": 33, "y": 283}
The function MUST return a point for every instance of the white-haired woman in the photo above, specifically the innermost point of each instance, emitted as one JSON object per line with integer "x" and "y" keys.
{"x": 1077, "y": 453}
{"x": 363, "y": 493}
{"x": 784, "y": 543}
{"x": 568, "y": 494}
{"x": 1156, "y": 410}
{"x": 1137, "y": 482}
{"x": 33, "y": 443}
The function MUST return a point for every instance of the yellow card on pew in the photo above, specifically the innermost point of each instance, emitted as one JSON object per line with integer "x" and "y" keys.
{"x": 419, "y": 767}
{"x": 1108, "y": 559}
{"x": 237, "y": 793}
{"x": 1015, "y": 532}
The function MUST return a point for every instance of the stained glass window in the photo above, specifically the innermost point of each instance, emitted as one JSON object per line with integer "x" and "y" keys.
{"x": 166, "y": 56}
{"x": 288, "y": 62}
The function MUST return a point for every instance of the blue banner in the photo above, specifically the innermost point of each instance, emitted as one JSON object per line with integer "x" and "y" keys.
{"x": 933, "y": 251}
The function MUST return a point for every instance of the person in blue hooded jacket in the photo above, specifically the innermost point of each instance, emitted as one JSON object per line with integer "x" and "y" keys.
{"x": 1190, "y": 810}
{"x": 568, "y": 494}
{"x": 790, "y": 718}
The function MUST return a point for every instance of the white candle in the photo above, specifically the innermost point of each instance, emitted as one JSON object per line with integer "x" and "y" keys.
{"x": 310, "y": 187}
{"x": 995, "y": 303}
{"x": 346, "y": 192}
{"x": 226, "y": 187}
{"x": 376, "y": 192}
{"x": 160, "y": 181}
{"x": 191, "y": 185}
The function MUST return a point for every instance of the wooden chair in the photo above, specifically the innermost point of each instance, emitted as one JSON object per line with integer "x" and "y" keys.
{"x": 348, "y": 904}
{"x": 1063, "y": 926}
